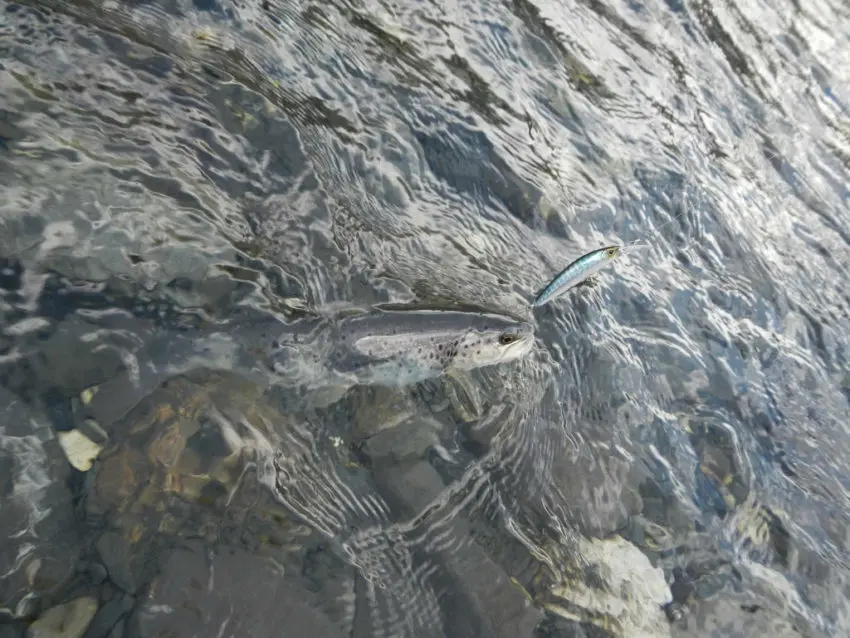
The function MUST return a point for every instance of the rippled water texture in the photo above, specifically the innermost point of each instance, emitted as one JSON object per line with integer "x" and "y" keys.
{"x": 670, "y": 460}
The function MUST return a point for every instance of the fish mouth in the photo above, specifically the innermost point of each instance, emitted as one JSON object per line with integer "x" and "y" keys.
{"x": 524, "y": 344}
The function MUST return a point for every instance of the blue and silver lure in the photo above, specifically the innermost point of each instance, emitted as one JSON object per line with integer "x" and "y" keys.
{"x": 576, "y": 273}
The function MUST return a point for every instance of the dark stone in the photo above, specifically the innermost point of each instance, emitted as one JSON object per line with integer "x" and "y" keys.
{"x": 96, "y": 573}
{"x": 116, "y": 397}
{"x": 67, "y": 362}
{"x": 7, "y": 474}
{"x": 12, "y": 630}
{"x": 128, "y": 602}
{"x": 127, "y": 566}
{"x": 118, "y": 630}
{"x": 209, "y": 441}
{"x": 54, "y": 572}
{"x": 488, "y": 603}
{"x": 105, "y": 619}
{"x": 239, "y": 589}
{"x": 11, "y": 274}
{"x": 411, "y": 486}
{"x": 57, "y": 405}
{"x": 205, "y": 5}
{"x": 109, "y": 591}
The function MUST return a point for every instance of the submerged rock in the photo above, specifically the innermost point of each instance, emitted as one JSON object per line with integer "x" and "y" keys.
{"x": 12, "y": 630}
{"x": 128, "y": 564}
{"x": 486, "y": 599}
{"x": 729, "y": 617}
{"x": 80, "y": 450}
{"x": 409, "y": 439}
{"x": 186, "y": 464}
{"x": 109, "y": 617}
{"x": 229, "y": 593}
{"x": 609, "y": 584}
{"x": 69, "y": 620}
{"x": 175, "y": 467}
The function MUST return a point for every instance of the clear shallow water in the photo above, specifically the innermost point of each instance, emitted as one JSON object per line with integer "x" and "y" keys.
{"x": 167, "y": 164}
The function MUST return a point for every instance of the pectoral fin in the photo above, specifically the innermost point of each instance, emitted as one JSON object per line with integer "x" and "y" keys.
{"x": 463, "y": 395}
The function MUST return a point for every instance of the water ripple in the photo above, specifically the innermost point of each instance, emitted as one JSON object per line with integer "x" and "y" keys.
{"x": 170, "y": 163}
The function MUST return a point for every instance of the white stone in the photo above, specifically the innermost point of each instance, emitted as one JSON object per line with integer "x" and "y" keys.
{"x": 634, "y": 591}
{"x": 65, "y": 621}
{"x": 80, "y": 450}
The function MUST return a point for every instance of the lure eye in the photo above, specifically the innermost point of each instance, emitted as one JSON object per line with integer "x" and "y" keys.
{"x": 506, "y": 338}
{"x": 612, "y": 252}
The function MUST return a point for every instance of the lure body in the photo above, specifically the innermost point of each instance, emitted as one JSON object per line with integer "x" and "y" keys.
{"x": 576, "y": 273}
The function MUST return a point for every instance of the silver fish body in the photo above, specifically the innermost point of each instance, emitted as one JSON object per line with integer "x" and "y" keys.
{"x": 577, "y": 272}
{"x": 395, "y": 347}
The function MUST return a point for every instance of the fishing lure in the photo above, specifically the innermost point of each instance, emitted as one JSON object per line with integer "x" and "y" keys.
{"x": 577, "y": 273}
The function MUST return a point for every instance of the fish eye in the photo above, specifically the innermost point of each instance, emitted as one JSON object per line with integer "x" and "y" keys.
{"x": 507, "y": 338}
{"x": 612, "y": 252}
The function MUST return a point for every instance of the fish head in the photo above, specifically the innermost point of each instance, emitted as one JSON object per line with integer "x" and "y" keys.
{"x": 497, "y": 340}
{"x": 611, "y": 252}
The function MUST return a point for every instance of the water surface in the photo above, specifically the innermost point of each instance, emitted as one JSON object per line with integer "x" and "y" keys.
{"x": 671, "y": 460}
